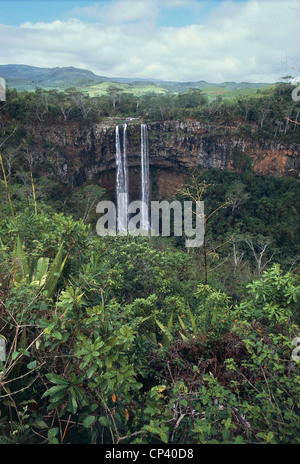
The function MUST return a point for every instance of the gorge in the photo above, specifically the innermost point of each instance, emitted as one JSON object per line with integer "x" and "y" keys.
{"x": 81, "y": 154}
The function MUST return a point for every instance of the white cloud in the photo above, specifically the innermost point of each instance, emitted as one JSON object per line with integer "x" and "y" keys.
{"x": 238, "y": 41}
{"x": 120, "y": 11}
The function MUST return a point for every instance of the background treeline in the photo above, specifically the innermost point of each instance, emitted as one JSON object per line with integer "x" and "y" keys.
{"x": 269, "y": 113}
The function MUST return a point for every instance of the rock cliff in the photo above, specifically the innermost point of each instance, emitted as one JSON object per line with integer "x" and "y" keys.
{"x": 79, "y": 154}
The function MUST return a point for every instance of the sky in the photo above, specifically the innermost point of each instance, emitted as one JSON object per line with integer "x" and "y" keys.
{"x": 175, "y": 40}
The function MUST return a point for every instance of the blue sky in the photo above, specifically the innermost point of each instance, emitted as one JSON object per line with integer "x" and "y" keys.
{"x": 214, "y": 40}
{"x": 16, "y": 12}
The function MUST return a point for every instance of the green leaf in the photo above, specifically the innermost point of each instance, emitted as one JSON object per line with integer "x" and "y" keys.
{"x": 167, "y": 336}
{"x": 40, "y": 270}
{"x": 183, "y": 337}
{"x": 40, "y": 424}
{"x": 31, "y": 365}
{"x": 91, "y": 370}
{"x": 104, "y": 421}
{"x": 239, "y": 440}
{"x": 228, "y": 423}
{"x": 181, "y": 323}
{"x": 54, "y": 378}
{"x": 56, "y": 334}
{"x": 54, "y": 441}
{"x": 72, "y": 405}
{"x": 195, "y": 330}
{"x": 88, "y": 421}
{"x": 170, "y": 323}
{"x": 19, "y": 267}
{"x": 52, "y": 432}
{"x": 54, "y": 390}
{"x": 14, "y": 355}
{"x": 163, "y": 436}
{"x": 55, "y": 272}
{"x": 80, "y": 396}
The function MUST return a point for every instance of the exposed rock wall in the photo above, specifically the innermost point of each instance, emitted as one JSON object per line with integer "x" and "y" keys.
{"x": 80, "y": 154}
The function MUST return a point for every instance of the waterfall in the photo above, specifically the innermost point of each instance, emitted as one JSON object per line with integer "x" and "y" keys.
{"x": 122, "y": 189}
{"x": 121, "y": 180}
{"x": 145, "y": 177}
{"x": 125, "y": 167}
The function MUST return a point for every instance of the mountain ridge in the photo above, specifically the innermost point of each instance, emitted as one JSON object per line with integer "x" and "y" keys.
{"x": 26, "y": 77}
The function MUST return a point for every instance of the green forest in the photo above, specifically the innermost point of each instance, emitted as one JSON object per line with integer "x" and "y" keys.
{"x": 139, "y": 340}
{"x": 271, "y": 111}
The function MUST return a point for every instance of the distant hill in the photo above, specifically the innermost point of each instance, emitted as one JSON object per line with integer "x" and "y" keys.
{"x": 22, "y": 71}
{"x": 24, "y": 77}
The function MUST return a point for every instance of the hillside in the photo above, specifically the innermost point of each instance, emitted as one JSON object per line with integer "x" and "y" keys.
{"x": 23, "y": 77}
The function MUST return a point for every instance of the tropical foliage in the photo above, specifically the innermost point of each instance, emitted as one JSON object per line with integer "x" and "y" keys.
{"x": 116, "y": 340}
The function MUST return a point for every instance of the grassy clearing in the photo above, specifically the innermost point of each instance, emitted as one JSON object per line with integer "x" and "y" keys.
{"x": 102, "y": 89}
{"x": 215, "y": 92}
{"x": 211, "y": 92}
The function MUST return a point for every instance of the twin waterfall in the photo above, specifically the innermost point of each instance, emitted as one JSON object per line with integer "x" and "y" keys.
{"x": 122, "y": 190}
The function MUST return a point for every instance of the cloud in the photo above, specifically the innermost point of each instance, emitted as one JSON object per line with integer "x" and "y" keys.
{"x": 249, "y": 40}
{"x": 120, "y": 11}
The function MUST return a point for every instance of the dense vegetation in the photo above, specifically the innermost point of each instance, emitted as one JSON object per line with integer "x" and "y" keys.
{"x": 270, "y": 113}
{"x": 137, "y": 339}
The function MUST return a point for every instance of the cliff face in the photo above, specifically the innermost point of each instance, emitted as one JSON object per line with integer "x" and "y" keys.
{"x": 80, "y": 154}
